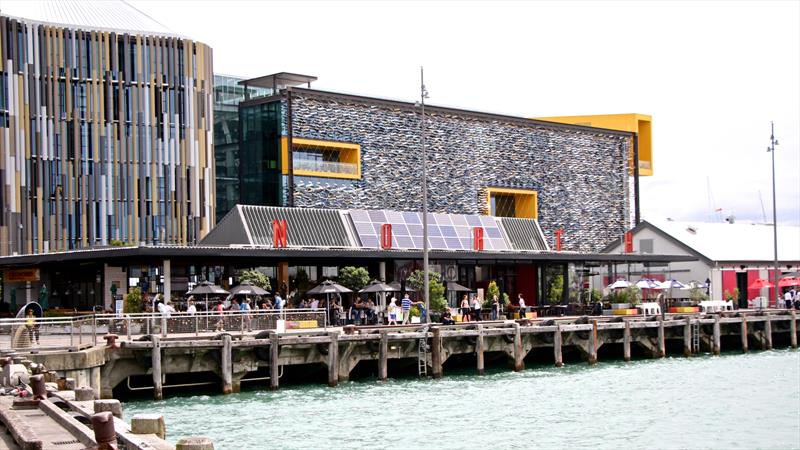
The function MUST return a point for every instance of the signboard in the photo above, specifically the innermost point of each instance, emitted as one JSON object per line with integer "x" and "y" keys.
{"x": 119, "y": 305}
{"x": 21, "y": 275}
{"x": 451, "y": 272}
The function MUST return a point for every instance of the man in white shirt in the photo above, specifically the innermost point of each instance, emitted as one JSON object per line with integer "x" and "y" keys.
{"x": 314, "y": 304}
{"x": 522, "y": 308}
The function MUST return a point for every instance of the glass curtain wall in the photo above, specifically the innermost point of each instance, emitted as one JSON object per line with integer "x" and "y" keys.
{"x": 260, "y": 154}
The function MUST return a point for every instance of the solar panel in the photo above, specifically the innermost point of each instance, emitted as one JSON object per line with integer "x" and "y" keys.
{"x": 445, "y": 231}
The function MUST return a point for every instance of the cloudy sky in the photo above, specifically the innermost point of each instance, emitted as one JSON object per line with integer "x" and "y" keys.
{"x": 713, "y": 75}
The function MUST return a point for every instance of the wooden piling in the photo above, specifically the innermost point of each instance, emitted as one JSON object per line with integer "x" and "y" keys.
{"x": 436, "y": 353}
{"x": 333, "y": 360}
{"x": 717, "y": 345}
{"x": 226, "y": 364}
{"x": 519, "y": 357}
{"x": 274, "y": 351}
{"x": 479, "y": 350}
{"x": 593, "y": 343}
{"x": 383, "y": 357}
{"x": 662, "y": 342}
{"x": 626, "y": 342}
{"x": 557, "y": 346}
{"x": 793, "y": 329}
{"x": 743, "y": 332}
{"x": 158, "y": 393}
{"x": 768, "y": 333}
{"x": 687, "y": 337}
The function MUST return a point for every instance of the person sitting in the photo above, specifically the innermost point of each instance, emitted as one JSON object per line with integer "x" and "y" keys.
{"x": 447, "y": 318}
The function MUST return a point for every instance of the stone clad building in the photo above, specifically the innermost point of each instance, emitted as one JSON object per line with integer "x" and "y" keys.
{"x": 105, "y": 129}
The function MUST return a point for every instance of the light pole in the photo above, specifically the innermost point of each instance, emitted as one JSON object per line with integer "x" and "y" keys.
{"x": 423, "y": 94}
{"x": 771, "y": 149}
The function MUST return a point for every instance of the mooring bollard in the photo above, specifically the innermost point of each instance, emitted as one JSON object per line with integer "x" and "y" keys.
{"x": 195, "y": 443}
{"x": 84, "y": 394}
{"x": 113, "y": 406}
{"x": 38, "y": 387}
{"x": 104, "y": 434}
{"x": 111, "y": 340}
{"x": 149, "y": 424}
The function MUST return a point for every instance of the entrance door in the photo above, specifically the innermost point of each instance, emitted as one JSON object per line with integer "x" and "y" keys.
{"x": 741, "y": 284}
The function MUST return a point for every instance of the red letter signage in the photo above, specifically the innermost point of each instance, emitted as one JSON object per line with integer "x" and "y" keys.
{"x": 386, "y": 236}
{"x": 559, "y": 233}
{"x": 280, "y": 237}
{"x": 477, "y": 239}
{"x": 628, "y": 242}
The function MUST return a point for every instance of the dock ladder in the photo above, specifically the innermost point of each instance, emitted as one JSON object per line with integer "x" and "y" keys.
{"x": 696, "y": 337}
{"x": 422, "y": 354}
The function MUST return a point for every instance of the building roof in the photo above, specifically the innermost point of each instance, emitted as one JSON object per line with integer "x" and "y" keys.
{"x": 737, "y": 242}
{"x": 108, "y": 15}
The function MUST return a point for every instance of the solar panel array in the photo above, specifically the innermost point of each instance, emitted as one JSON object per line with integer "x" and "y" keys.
{"x": 445, "y": 231}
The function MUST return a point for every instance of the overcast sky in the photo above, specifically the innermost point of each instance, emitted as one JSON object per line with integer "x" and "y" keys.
{"x": 713, "y": 75}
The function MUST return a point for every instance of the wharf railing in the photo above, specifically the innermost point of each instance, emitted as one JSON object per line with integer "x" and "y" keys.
{"x": 77, "y": 332}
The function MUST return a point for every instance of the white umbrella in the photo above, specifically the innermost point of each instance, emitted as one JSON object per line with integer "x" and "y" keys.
{"x": 647, "y": 283}
{"x": 619, "y": 284}
{"x": 695, "y": 284}
{"x": 668, "y": 284}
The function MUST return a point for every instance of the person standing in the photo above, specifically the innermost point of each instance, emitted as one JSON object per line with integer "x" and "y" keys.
{"x": 405, "y": 305}
{"x": 522, "y": 308}
{"x": 476, "y": 308}
{"x": 495, "y": 307}
{"x": 32, "y": 326}
{"x": 465, "y": 309}
{"x": 392, "y": 312}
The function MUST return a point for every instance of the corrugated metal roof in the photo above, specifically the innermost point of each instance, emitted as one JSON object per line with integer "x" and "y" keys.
{"x": 110, "y": 15}
{"x": 523, "y": 234}
{"x": 306, "y": 227}
{"x": 735, "y": 242}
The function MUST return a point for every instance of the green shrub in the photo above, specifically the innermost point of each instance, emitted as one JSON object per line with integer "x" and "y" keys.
{"x": 556, "y": 290}
{"x": 133, "y": 303}
{"x": 435, "y": 288}
{"x": 491, "y": 291}
{"x": 256, "y": 278}
{"x": 353, "y": 278}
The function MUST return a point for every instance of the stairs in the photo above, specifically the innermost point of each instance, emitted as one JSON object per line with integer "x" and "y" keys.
{"x": 422, "y": 355}
{"x": 696, "y": 337}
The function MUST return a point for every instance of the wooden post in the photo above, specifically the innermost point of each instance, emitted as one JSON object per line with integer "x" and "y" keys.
{"x": 226, "y": 364}
{"x": 593, "y": 343}
{"x": 744, "y": 334}
{"x": 519, "y": 358}
{"x": 687, "y": 337}
{"x": 768, "y": 333}
{"x": 383, "y": 358}
{"x": 626, "y": 341}
{"x": 557, "y": 346}
{"x": 436, "y": 353}
{"x": 274, "y": 351}
{"x": 662, "y": 342}
{"x": 479, "y": 350}
{"x": 333, "y": 360}
{"x": 156, "y": 355}
{"x": 717, "y": 345}
{"x": 793, "y": 330}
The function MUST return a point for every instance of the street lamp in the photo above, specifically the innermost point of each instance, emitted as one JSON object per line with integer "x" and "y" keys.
{"x": 422, "y": 96}
{"x": 771, "y": 149}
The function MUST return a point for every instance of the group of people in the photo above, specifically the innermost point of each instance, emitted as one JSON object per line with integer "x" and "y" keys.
{"x": 791, "y": 299}
{"x": 472, "y": 310}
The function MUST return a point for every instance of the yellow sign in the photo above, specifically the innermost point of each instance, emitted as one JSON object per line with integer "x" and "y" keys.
{"x": 20, "y": 275}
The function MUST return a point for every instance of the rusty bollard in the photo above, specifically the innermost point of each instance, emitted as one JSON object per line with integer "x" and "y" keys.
{"x": 104, "y": 434}
{"x": 38, "y": 387}
{"x": 349, "y": 329}
{"x": 111, "y": 340}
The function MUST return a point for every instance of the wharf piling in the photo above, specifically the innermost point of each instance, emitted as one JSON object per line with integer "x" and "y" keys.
{"x": 743, "y": 332}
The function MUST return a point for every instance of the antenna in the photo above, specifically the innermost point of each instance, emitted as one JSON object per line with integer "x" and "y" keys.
{"x": 763, "y": 211}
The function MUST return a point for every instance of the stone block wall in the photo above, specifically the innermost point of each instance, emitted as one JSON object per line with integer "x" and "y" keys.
{"x": 579, "y": 173}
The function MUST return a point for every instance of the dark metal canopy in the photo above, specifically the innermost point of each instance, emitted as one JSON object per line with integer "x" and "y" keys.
{"x": 208, "y": 288}
{"x": 377, "y": 286}
{"x": 452, "y": 286}
{"x": 328, "y": 287}
{"x": 277, "y": 80}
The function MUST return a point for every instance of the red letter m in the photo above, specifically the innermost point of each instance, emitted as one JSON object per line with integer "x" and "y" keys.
{"x": 279, "y": 236}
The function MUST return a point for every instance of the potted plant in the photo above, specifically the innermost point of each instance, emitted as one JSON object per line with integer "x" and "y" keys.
{"x": 620, "y": 300}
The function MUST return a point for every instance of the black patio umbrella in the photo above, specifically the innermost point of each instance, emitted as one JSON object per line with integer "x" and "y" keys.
{"x": 397, "y": 288}
{"x": 207, "y": 288}
{"x": 328, "y": 287}
{"x": 378, "y": 287}
{"x": 248, "y": 288}
{"x": 455, "y": 287}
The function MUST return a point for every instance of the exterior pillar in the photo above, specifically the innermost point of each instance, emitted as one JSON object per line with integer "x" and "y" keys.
{"x": 519, "y": 357}
{"x": 382, "y": 271}
{"x": 557, "y": 346}
{"x": 744, "y": 334}
{"x": 593, "y": 343}
{"x": 687, "y": 337}
{"x": 283, "y": 278}
{"x": 156, "y": 363}
{"x": 274, "y": 351}
{"x": 479, "y": 350}
{"x": 716, "y": 346}
{"x": 333, "y": 359}
{"x": 167, "y": 281}
{"x": 793, "y": 330}
{"x": 768, "y": 333}
{"x": 436, "y": 353}
{"x": 226, "y": 364}
{"x": 662, "y": 344}
{"x": 626, "y": 341}
{"x": 383, "y": 358}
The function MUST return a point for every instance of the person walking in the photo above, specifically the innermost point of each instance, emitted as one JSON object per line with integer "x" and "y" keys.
{"x": 405, "y": 305}
{"x": 476, "y": 309}
{"x": 32, "y": 326}
{"x": 495, "y": 307}
{"x": 523, "y": 310}
{"x": 393, "y": 310}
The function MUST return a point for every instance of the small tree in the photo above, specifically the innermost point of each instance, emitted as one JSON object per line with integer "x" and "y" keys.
{"x": 435, "y": 288}
{"x": 133, "y": 303}
{"x": 505, "y": 300}
{"x": 491, "y": 291}
{"x": 353, "y": 278}
{"x": 256, "y": 278}
{"x": 556, "y": 290}
{"x": 697, "y": 294}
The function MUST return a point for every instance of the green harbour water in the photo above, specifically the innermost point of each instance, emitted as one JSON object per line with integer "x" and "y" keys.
{"x": 732, "y": 401}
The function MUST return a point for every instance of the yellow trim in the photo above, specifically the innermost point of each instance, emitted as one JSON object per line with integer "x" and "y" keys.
{"x": 526, "y": 201}
{"x": 348, "y": 153}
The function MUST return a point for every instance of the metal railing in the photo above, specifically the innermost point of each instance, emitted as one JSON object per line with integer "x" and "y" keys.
{"x": 84, "y": 331}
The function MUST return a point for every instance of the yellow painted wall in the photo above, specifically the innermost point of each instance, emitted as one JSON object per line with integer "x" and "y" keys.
{"x": 526, "y": 202}
{"x": 348, "y": 153}
{"x": 634, "y": 123}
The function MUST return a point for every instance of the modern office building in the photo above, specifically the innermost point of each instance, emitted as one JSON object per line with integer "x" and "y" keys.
{"x": 105, "y": 129}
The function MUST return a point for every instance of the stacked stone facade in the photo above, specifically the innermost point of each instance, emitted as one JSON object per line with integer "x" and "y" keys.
{"x": 579, "y": 173}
